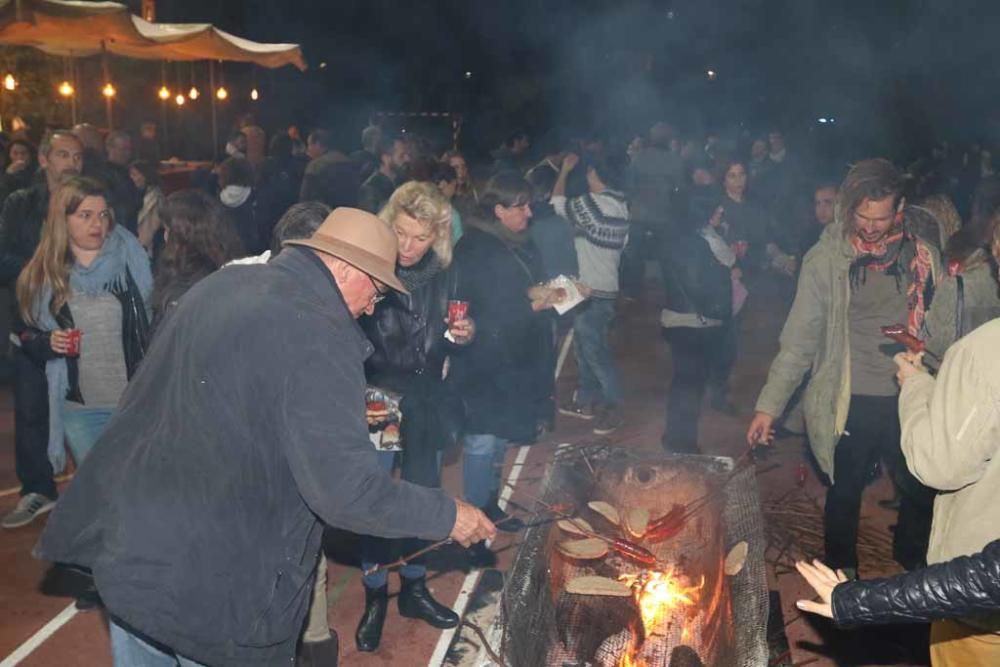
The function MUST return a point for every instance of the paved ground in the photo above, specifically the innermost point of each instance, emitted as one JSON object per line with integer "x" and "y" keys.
{"x": 37, "y": 622}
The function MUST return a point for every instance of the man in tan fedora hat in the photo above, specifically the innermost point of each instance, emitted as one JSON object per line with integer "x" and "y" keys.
{"x": 360, "y": 252}
{"x": 199, "y": 508}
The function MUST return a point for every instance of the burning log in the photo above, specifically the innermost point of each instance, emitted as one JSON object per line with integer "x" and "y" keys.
{"x": 674, "y": 566}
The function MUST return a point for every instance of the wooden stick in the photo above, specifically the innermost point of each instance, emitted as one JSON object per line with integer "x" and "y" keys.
{"x": 486, "y": 644}
{"x": 400, "y": 562}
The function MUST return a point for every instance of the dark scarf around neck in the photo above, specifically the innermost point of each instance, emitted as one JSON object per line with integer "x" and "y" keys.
{"x": 416, "y": 276}
{"x": 495, "y": 228}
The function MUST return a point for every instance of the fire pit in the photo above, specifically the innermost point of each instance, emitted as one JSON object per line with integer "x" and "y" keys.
{"x": 596, "y": 590}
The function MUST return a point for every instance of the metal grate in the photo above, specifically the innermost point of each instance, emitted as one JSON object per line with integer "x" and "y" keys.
{"x": 538, "y": 624}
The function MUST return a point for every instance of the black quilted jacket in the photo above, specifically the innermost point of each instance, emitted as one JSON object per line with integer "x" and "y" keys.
{"x": 968, "y": 586}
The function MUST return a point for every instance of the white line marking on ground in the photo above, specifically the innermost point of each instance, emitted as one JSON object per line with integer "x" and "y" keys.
{"x": 471, "y": 579}
{"x": 37, "y": 639}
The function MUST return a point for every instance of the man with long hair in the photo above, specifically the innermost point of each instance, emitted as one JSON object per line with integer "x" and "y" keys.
{"x": 866, "y": 271}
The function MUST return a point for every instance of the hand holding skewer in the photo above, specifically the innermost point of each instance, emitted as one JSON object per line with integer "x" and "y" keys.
{"x": 400, "y": 562}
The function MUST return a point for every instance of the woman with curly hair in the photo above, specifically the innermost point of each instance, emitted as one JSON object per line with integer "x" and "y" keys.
{"x": 199, "y": 238}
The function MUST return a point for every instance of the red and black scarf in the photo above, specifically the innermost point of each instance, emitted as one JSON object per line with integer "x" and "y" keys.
{"x": 887, "y": 256}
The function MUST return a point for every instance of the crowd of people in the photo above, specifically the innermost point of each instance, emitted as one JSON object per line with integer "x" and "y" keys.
{"x": 206, "y": 356}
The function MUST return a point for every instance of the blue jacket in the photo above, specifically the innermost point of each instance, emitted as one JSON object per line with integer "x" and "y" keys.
{"x": 199, "y": 508}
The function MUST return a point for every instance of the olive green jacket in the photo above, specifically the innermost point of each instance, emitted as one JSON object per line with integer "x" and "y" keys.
{"x": 815, "y": 338}
{"x": 980, "y": 304}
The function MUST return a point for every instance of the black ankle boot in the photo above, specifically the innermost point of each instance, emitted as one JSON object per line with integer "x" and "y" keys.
{"x": 480, "y": 556}
{"x": 319, "y": 654}
{"x": 89, "y": 599}
{"x": 415, "y": 601}
{"x": 496, "y": 515}
{"x": 369, "y": 632}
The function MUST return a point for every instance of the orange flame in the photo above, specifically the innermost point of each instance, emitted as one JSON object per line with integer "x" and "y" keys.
{"x": 657, "y": 594}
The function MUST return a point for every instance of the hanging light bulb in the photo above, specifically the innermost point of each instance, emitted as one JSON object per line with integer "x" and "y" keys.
{"x": 254, "y": 95}
{"x": 222, "y": 93}
{"x": 9, "y": 82}
{"x": 108, "y": 90}
{"x": 164, "y": 93}
{"x": 179, "y": 99}
{"x": 193, "y": 93}
{"x": 66, "y": 89}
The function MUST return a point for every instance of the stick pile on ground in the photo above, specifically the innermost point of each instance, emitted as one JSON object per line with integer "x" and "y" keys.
{"x": 794, "y": 529}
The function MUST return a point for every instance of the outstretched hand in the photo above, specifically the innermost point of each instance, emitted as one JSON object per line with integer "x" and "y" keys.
{"x": 823, "y": 580}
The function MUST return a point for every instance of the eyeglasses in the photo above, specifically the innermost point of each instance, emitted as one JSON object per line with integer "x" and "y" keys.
{"x": 380, "y": 291}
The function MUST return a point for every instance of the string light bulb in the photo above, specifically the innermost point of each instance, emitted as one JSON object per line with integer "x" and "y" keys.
{"x": 164, "y": 93}
{"x": 222, "y": 93}
{"x": 9, "y": 82}
{"x": 108, "y": 90}
{"x": 254, "y": 95}
{"x": 66, "y": 89}
{"x": 193, "y": 93}
{"x": 179, "y": 99}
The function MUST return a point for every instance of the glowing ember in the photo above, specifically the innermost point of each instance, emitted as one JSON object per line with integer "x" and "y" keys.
{"x": 657, "y": 594}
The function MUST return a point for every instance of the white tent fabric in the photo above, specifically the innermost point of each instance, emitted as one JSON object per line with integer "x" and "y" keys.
{"x": 79, "y": 29}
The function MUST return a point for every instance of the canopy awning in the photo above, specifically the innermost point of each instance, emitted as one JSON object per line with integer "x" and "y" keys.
{"x": 75, "y": 28}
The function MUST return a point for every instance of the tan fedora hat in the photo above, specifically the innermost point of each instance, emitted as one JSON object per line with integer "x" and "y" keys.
{"x": 361, "y": 240}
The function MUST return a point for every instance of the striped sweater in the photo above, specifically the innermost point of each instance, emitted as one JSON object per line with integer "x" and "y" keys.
{"x": 600, "y": 224}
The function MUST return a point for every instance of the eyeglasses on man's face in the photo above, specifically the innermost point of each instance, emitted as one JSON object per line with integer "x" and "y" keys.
{"x": 381, "y": 291}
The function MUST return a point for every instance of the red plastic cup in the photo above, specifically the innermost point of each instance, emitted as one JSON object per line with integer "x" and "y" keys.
{"x": 73, "y": 343}
{"x": 457, "y": 311}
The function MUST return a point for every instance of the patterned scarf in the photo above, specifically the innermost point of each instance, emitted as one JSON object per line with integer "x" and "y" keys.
{"x": 886, "y": 256}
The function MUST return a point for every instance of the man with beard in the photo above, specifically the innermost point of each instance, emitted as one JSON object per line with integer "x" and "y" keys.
{"x": 114, "y": 173}
{"x": 24, "y": 212}
{"x": 864, "y": 272}
{"x": 393, "y": 157}
{"x": 330, "y": 177}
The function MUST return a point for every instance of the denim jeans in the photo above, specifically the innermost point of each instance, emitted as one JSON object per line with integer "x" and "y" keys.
{"x": 376, "y": 550}
{"x": 129, "y": 650}
{"x": 598, "y": 377}
{"x": 482, "y": 463}
{"x": 83, "y": 426}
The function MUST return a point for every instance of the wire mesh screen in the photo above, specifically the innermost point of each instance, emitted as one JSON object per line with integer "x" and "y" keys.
{"x": 540, "y": 624}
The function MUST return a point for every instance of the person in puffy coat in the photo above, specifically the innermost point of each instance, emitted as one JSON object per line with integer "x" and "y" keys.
{"x": 962, "y": 586}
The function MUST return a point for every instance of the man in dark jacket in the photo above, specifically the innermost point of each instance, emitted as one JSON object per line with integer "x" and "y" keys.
{"x": 124, "y": 196}
{"x": 60, "y": 155}
{"x": 393, "y": 158}
{"x": 197, "y": 511}
{"x": 330, "y": 177}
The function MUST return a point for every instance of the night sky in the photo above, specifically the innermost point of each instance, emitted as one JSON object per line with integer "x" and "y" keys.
{"x": 896, "y": 71}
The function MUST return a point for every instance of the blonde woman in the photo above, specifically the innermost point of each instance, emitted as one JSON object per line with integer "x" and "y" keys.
{"x": 408, "y": 333}
{"x": 83, "y": 301}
